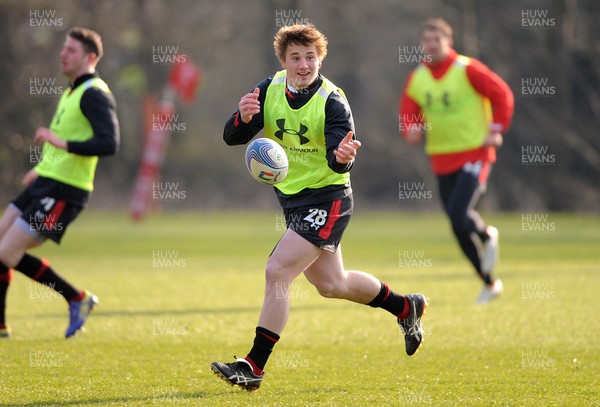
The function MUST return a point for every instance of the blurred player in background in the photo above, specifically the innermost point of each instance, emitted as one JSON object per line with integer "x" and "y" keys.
{"x": 83, "y": 128}
{"x": 310, "y": 118}
{"x": 462, "y": 108}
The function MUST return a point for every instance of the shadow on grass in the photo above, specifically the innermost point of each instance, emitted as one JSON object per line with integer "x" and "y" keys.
{"x": 157, "y": 399}
{"x": 173, "y": 397}
{"x": 200, "y": 311}
{"x": 467, "y": 274}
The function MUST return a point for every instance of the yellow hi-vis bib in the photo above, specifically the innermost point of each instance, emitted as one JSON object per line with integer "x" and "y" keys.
{"x": 301, "y": 133}
{"x": 70, "y": 124}
{"x": 456, "y": 117}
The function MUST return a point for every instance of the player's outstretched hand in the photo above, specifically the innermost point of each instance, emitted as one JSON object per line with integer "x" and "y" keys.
{"x": 249, "y": 105}
{"x": 493, "y": 139}
{"x": 44, "y": 134}
{"x": 346, "y": 151}
{"x": 29, "y": 177}
{"x": 414, "y": 136}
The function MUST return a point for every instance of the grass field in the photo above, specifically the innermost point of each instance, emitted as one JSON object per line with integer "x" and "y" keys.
{"x": 182, "y": 290}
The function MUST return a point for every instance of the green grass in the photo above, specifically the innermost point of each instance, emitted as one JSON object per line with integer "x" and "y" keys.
{"x": 158, "y": 328}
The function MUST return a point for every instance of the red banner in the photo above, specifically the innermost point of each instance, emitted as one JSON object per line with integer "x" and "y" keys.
{"x": 184, "y": 79}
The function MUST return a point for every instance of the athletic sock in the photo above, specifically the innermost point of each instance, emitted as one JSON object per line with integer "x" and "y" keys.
{"x": 487, "y": 278}
{"x": 5, "y": 279}
{"x": 391, "y": 301}
{"x": 40, "y": 271}
{"x": 264, "y": 341}
{"x": 483, "y": 235}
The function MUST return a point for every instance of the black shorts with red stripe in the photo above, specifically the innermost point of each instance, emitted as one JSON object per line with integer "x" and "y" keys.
{"x": 47, "y": 207}
{"x": 321, "y": 224}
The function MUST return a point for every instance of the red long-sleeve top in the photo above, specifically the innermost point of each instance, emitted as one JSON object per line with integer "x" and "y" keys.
{"x": 486, "y": 83}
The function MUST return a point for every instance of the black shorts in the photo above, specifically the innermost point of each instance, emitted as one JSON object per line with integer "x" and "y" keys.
{"x": 47, "y": 207}
{"x": 321, "y": 224}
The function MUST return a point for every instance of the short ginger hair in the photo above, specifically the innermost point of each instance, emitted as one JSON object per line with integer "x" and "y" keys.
{"x": 299, "y": 34}
{"x": 437, "y": 24}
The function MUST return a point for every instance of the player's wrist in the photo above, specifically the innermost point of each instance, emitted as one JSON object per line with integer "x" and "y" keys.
{"x": 496, "y": 128}
{"x": 244, "y": 119}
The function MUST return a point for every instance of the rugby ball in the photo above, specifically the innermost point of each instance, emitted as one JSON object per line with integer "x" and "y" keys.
{"x": 266, "y": 161}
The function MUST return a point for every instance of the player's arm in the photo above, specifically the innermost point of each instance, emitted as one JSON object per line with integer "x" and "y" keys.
{"x": 490, "y": 85}
{"x": 410, "y": 118}
{"x": 340, "y": 142}
{"x": 29, "y": 177}
{"x": 99, "y": 108}
{"x": 248, "y": 119}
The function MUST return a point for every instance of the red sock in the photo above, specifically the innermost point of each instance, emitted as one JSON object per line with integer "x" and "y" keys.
{"x": 257, "y": 371}
{"x": 264, "y": 341}
{"x": 79, "y": 297}
{"x": 391, "y": 301}
{"x": 404, "y": 314}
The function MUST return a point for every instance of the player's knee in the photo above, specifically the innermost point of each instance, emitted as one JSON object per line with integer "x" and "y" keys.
{"x": 275, "y": 271}
{"x": 461, "y": 224}
{"x": 328, "y": 289}
{"x": 6, "y": 258}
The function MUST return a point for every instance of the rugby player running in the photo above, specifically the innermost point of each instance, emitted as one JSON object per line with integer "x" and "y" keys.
{"x": 310, "y": 118}
{"x": 83, "y": 128}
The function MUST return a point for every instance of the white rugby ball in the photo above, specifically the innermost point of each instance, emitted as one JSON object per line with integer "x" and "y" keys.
{"x": 266, "y": 161}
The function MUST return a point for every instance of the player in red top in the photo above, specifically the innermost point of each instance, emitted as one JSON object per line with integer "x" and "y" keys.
{"x": 462, "y": 173}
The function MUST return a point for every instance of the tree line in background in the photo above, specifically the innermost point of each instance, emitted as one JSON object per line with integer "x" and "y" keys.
{"x": 547, "y": 51}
